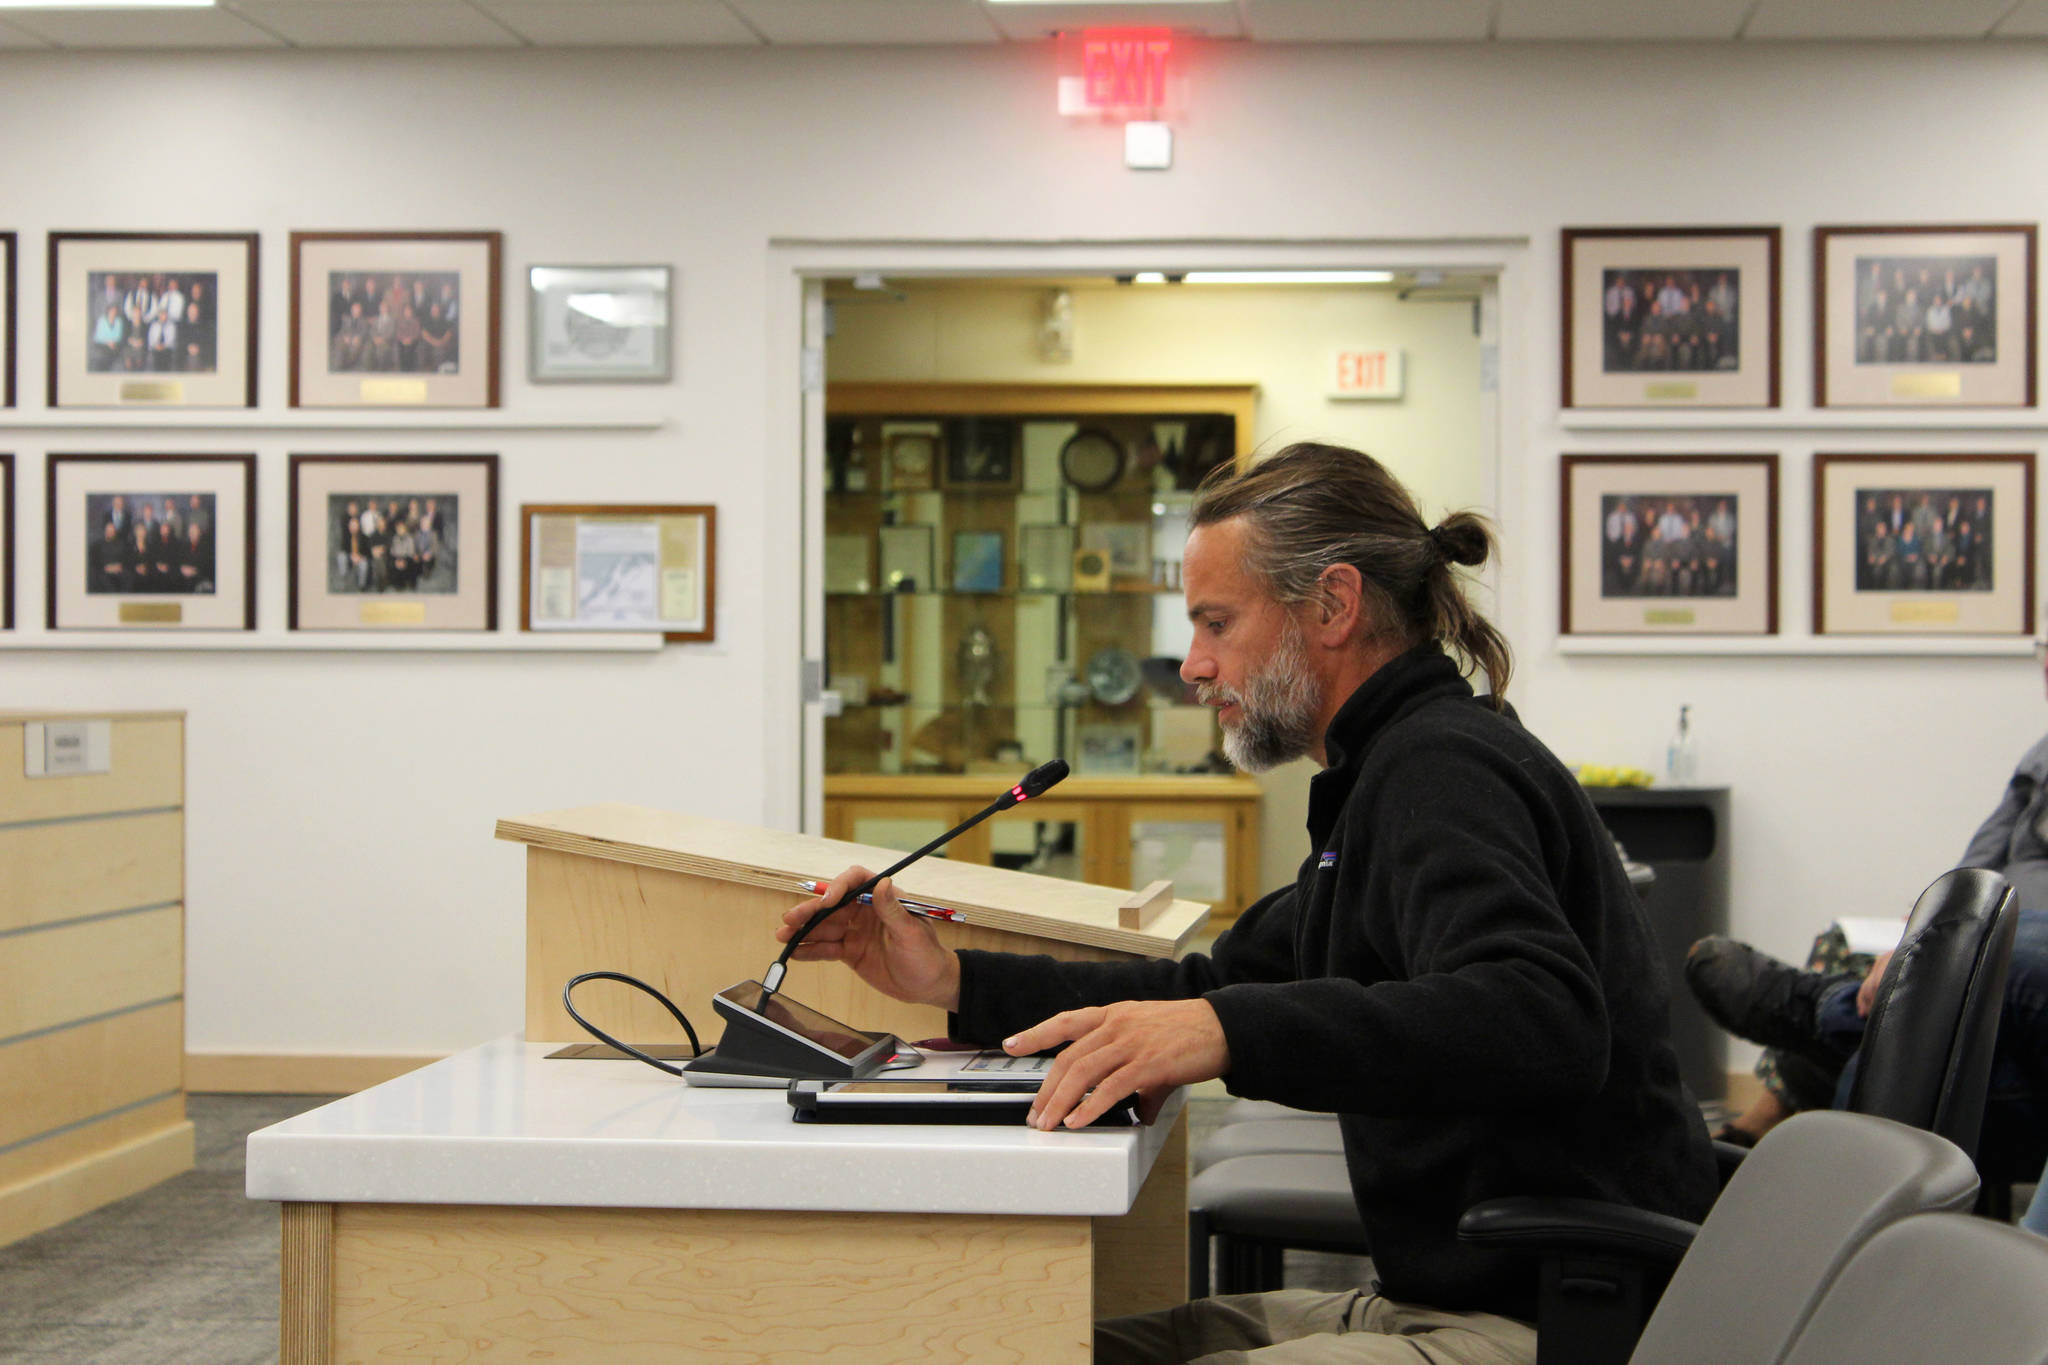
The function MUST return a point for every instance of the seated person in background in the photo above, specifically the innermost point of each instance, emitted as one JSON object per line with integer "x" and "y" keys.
{"x": 1813, "y": 1020}
{"x": 1460, "y": 970}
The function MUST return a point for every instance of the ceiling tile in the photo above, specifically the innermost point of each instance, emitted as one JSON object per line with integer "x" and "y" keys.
{"x": 1875, "y": 18}
{"x": 163, "y": 28}
{"x": 1030, "y": 23}
{"x": 377, "y": 23}
{"x": 2028, "y": 19}
{"x": 817, "y": 23}
{"x": 15, "y": 37}
{"x": 1620, "y": 20}
{"x": 1366, "y": 21}
{"x": 621, "y": 23}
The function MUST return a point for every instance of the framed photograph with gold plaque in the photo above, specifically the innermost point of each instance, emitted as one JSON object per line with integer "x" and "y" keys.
{"x": 1670, "y": 545}
{"x": 635, "y": 567}
{"x": 7, "y": 312}
{"x": 1671, "y": 317}
{"x": 395, "y": 319}
{"x": 151, "y": 542}
{"x": 1924, "y": 316}
{"x": 6, "y": 542}
{"x": 1923, "y": 544}
{"x": 393, "y": 542}
{"x": 152, "y": 320}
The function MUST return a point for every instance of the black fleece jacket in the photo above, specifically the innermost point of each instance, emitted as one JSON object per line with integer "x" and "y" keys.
{"x": 1460, "y": 971}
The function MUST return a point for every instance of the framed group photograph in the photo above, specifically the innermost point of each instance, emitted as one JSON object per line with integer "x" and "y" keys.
{"x": 393, "y": 542}
{"x": 598, "y": 323}
{"x": 7, "y": 357}
{"x": 151, "y": 542}
{"x": 639, "y": 567}
{"x": 152, "y": 319}
{"x": 1924, "y": 316}
{"x": 394, "y": 319}
{"x": 6, "y": 542}
{"x": 1923, "y": 544}
{"x": 1671, "y": 317}
{"x": 1670, "y": 545}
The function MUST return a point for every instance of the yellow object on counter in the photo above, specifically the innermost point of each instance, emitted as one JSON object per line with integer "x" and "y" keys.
{"x": 1609, "y": 775}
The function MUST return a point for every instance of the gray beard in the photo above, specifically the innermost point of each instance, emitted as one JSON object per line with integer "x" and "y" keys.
{"x": 1277, "y": 710}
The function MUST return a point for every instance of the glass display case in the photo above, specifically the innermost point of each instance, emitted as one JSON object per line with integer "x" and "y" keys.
{"x": 1002, "y": 587}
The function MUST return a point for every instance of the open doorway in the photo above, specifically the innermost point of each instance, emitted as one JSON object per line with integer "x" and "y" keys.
{"x": 1003, "y": 466}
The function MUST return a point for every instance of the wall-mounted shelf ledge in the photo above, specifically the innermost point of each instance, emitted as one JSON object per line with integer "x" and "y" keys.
{"x": 321, "y": 420}
{"x": 1889, "y": 421}
{"x": 338, "y": 642}
{"x": 1800, "y": 646}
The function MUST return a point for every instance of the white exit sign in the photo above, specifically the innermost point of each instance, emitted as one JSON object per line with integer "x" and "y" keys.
{"x": 1367, "y": 372}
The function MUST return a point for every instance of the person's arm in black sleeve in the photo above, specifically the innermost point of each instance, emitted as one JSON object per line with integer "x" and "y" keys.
{"x": 1003, "y": 993}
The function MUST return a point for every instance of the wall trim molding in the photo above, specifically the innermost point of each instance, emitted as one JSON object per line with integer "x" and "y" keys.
{"x": 295, "y": 1073}
{"x": 99, "y": 1178}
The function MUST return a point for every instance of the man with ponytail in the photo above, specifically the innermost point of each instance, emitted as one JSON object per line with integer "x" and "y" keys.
{"x": 1459, "y": 969}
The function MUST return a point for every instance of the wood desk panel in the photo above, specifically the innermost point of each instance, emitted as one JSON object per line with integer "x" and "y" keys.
{"x": 720, "y": 1287}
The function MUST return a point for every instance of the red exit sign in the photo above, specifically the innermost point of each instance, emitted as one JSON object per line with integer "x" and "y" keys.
{"x": 1125, "y": 68}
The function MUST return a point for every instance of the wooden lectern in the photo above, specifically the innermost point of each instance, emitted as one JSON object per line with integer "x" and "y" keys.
{"x": 690, "y": 906}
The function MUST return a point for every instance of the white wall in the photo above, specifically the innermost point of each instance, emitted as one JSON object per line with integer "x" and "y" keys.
{"x": 345, "y": 894}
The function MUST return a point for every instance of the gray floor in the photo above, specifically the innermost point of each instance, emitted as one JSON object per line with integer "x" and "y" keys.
{"x": 186, "y": 1273}
{"x": 182, "y": 1274}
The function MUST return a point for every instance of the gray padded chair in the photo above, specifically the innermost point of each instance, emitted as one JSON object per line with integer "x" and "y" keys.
{"x": 1814, "y": 1191}
{"x": 1935, "y": 1288}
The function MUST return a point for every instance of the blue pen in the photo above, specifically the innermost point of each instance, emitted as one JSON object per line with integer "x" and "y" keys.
{"x": 923, "y": 909}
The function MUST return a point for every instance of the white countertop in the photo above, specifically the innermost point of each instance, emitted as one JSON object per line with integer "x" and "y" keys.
{"x": 502, "y": 1124}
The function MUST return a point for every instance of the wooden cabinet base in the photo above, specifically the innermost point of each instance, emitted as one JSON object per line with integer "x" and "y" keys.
{"x": 406, "y": 1282}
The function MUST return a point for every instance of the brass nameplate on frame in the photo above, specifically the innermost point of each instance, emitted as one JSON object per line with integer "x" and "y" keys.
{"x": 394, "y": 391}
{"x": 152, "y": 391}
{"x": 152, "y": 613}
{"x": 1670, "y": 616}
{"x": 1672, "y": 390}
{"x": 1941, "y": 384}
{"x": 393, "y": 613}
{"x": 1926, "y": 613}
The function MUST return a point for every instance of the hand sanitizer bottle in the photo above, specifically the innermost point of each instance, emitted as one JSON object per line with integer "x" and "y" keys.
{"x": 1682, "y": 756}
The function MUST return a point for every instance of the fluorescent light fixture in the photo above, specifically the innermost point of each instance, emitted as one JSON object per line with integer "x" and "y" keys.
{"x": 1149, "y": 277}
{"x": 1289, "y": 277}
{"x": 106, "y": 4}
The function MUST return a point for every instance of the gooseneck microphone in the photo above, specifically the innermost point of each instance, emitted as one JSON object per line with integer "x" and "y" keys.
{"x": 1036, "y": 783}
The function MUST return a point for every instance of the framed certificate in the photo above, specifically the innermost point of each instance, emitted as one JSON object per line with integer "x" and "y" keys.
{"x": 620, "y": 567}
{"x": 598, "y": 324}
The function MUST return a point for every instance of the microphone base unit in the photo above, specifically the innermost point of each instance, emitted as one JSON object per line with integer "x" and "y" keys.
{"x": 771, "y": 1040}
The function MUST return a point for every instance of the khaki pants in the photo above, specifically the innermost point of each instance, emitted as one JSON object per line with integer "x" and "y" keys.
{"x": 1303, "y": 1327}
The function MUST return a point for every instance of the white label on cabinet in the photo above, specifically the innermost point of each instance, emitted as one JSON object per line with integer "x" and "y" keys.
{"x": 67, "y": 748}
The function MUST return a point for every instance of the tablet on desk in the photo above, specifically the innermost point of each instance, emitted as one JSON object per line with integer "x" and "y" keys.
{"x": 987, "y": 1098}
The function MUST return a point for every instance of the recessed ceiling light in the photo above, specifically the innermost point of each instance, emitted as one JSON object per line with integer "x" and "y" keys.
{"x": 1290, "y": 277}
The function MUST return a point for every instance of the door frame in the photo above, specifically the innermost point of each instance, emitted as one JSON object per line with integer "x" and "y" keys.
{"x": 797, "y": 270}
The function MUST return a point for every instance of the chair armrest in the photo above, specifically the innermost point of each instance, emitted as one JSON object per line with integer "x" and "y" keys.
{"x": 1727, "y": 1156}
{"x": 1560, "y": 1224}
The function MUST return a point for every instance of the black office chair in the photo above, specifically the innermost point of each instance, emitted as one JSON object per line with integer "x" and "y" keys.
{"x": 1925, "y": 1062}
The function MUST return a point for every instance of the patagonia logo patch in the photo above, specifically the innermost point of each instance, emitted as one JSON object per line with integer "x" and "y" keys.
{"x": 1328, "y": 861}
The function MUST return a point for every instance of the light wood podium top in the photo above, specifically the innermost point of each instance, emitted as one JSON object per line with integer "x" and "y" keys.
{"x": 748, "y": 855}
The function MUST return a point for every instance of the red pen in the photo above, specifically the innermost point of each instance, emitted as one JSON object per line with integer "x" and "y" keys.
{"x": 923, "y": 909}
